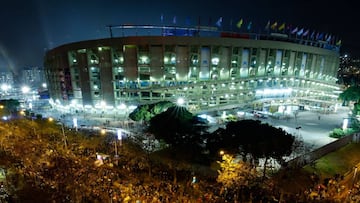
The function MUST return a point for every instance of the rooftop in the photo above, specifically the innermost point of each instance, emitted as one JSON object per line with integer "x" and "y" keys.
{"x": 293, "y": 36}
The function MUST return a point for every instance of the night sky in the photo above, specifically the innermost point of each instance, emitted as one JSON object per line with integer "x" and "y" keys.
{"x": 31, "y": 27}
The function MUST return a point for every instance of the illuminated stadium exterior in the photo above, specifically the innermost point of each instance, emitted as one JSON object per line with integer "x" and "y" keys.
{"x": 208, "y": 68}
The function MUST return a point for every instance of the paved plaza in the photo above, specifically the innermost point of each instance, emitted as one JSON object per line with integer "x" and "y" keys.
{"x": 312, "y": 126}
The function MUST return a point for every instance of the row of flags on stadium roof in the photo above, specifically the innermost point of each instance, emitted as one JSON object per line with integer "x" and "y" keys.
{"x": 273, "y": 27}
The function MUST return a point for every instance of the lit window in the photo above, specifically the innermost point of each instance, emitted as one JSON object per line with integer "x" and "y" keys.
{"x": 215, "y": 60}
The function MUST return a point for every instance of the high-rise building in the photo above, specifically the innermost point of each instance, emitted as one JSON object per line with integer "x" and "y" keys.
{"x": 32, "y": 77}
{"x": 349, "y": 71}
{"x": 7, "y": 78}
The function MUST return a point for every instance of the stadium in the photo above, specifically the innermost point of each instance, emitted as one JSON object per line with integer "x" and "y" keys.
{"x": 205, "y": 67}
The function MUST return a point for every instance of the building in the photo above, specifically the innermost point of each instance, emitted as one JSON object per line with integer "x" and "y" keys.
{"x": 349, "y": 71}
{"x": 32, "y": 77}
{"x": 209, "y": 69}
{"x": 7, "y": 78}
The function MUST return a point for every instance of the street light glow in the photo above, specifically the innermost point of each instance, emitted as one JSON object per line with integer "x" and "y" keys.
{"x": 119, "y": 134}
{"x": 180, "y": 101}
{"x": 25, "y": 89}
{"x": 102, "y": 131}
{"x": 5, "y": 87}
{"x": 345, "y": 123}
{"x": 75, "y": 123}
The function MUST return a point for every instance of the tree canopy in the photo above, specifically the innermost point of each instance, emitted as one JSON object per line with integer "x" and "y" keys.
{"x": 147, "y": 111}
{"x": 9, "y": 106}
{"x": 350, "y": 94}
{"x": 234, "y": 173}
{"x": 251, "y": 137}
{"x": 177, "y": 126}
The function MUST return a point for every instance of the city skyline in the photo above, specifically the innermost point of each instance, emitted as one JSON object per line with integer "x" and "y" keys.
{"x": 33, "y": 27}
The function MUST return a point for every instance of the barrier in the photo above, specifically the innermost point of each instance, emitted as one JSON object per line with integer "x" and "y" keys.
{"x": 309, "y": 157}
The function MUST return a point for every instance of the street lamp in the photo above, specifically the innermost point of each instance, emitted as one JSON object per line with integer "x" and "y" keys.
{"x": 25, "y": 89}
{"x": 64, "y": 135}
{"x": 75, "y": 124}
{"x": 119, "y": 137}
{"x": 298, "y": 130}
{"x": 355, "y": 172}
{"x": 345, "y": 124}
{"x": 180, "y": 101}
{"x": 62, "y": 131}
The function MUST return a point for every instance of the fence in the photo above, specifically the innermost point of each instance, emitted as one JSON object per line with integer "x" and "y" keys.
{"x": 307, "y": 158}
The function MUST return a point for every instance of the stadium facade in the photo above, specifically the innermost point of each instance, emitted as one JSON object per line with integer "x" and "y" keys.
{"x": 208, "y": 68}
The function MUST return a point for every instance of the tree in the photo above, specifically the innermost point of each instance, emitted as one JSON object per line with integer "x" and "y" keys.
{"x": 177, "y": 126}
{"x": 251, "y": 137}
{"x": 234, "y": 174}
{"x": 147, "y": 111}
{"x": 350, "y": 94}
{"x": 9, "y": 106}
{"x": 181, "y": 131}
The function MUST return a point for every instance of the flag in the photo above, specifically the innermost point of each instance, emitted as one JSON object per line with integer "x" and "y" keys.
{"x": 281, "y": 27}
{"x": 162, "y": 18}
{"x": 249, "y": 26}
{"x": 300, "y": 31}
{"x": 267, "y": 27}
{"x": 273, "y": 26}
{"x": 338, "y": 43}
{"x": 306, "y": 33}
{"x": 328, "y": 39}
{"x": 218, "y": 23}
{"x": 294, "y": 30}
{"x": 312, "y": 36}
{"x": 239, "y": 24}
{"x": 174, "y": 20}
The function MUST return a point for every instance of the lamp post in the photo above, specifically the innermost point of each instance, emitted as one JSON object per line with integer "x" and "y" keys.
{"x": 119, "y": 137}
{"x": 345, "y": 124}
{"x": 115, "y": 148}
{"x": 75, "y": 123}
{"x": 64, "y": 135}
{"x": 298, "y": 130}
{"x": 62, "y": 131}
{"x": 355, "y": 173}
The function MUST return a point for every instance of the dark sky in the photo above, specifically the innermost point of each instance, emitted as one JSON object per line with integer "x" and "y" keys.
{"x": 31, "y": 27}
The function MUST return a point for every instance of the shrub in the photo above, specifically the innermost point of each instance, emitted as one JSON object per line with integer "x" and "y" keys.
{"x": 339, "y": 132}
